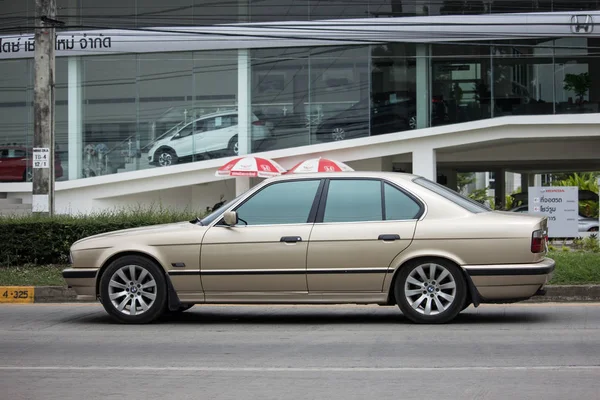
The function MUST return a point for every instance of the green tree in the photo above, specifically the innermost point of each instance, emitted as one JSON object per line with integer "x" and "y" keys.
{"x": 578, "y": 83}
{"x": 584, "y": 181}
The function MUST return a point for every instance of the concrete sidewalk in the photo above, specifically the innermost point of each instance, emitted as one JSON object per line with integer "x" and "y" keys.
{"x": 555, "y": 293}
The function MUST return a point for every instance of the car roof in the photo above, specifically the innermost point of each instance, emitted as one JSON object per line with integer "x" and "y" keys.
{"x": 350, "y": 174}
{"x": 217, "y": 114}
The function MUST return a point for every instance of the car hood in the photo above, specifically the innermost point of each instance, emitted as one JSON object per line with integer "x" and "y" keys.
{"x": 159, "y": 143}
{"x": 179, "y": 232}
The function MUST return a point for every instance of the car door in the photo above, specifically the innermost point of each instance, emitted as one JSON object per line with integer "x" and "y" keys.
{"x": 218, "y": 132}
{"x": 361, "y": 226}
{"x": 183, "y": 142}
{"x": 266, "y": 252}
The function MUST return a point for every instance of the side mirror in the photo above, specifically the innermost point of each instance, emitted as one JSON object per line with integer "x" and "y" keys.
{"x": 230, "y": 218}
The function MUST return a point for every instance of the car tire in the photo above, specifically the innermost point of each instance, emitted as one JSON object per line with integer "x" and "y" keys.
{"x": 338, "y": 133}
{"x": 133, "y": 283}
{"x": 412, "y": 122}
{"x": 166, "y": 157}
{"x": 233, "y": 146}
{"x": 28, "y": 175}
{"x": 430, "y": 296}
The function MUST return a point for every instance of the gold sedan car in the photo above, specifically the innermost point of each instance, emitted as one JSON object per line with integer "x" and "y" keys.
{"x": 352, "y": 237}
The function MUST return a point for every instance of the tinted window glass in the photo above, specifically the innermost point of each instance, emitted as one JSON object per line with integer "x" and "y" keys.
{"x": 463, "y": 201}
{"x": 20, "y": 153}
{"x": 353, "y": 200}
{"x": 186, "y": 131}
{"x": 398, "y": 206}
{"x": 280, "y": 203}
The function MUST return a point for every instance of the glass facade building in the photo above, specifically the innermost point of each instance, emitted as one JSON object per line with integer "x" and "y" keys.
{"x": 150, "y": 107}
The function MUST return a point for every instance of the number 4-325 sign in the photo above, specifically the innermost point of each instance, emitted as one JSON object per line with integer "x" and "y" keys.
{"x": 41, "y": 157}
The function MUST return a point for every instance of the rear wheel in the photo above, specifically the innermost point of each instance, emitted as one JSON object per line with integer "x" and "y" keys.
{"x": 233, "y": 146}
{"x": 338, "y": 133}
{"x": 133, "y": 290}
{"x": 430, "y": 291}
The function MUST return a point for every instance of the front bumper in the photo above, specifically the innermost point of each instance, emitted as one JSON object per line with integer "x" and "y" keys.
{"x": 82, "y": 280}
{"x": 510, "y": 282}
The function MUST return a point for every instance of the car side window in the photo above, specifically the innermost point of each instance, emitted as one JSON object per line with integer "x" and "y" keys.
{"x": 4, "y": 153}
{"x": 353, "y": 200}
{"x": 186, "y": 131}
{"x": 398, "y": 205}
{"x": 280, "y": 203}
{"x": 19, "y": 153}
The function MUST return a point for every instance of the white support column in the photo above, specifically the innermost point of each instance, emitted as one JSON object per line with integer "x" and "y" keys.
{"x": 423, "y": 87}
{"x": 500, "y": 189}
{"x": 75, "y": 117}
{"x": 424, "y": 163}
{"x": 244, "y": 102}
{"x": 537, "y": 180}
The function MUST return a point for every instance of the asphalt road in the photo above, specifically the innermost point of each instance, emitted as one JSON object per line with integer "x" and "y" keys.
{"x": 526, "y": 351}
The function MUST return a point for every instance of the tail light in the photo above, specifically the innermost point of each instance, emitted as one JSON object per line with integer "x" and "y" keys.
{"x": 539, "y": 239}
{"x": 258, "y": 123}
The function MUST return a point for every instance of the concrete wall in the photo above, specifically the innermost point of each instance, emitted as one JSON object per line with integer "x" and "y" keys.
{"x": 171, "y": 185}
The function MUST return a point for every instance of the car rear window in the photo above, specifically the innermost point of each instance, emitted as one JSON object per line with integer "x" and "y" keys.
{"x": 457, "y": 198}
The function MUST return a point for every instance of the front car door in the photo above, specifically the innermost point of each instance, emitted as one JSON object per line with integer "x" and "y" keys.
{"x": 361, "y": 226}
{"x": 265, "y": 254}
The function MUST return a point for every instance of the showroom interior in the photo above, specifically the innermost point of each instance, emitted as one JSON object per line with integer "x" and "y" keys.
{"x": 117, "y": 108}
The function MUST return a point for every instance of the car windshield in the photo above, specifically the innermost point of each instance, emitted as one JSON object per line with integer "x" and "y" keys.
{"x": 455, "y": 197}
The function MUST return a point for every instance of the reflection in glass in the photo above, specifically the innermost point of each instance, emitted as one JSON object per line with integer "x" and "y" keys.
{"x": 461, "y": 89}
{"x": 523, "y": 82}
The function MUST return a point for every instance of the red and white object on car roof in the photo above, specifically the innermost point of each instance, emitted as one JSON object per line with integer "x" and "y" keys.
{"x": 251, "y": 166}
{"x": 319, "y": 165}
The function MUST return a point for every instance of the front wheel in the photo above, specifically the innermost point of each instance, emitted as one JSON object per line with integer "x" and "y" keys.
{"x": 166, "y": 157}
{"x": 133, "y": 290}
{"x": 430, "y": 291}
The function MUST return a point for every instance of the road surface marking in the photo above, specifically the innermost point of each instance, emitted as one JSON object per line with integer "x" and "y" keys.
{"x": 301, "y": 369}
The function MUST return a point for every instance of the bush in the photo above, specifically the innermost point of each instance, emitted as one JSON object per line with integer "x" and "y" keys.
{"x": 46, "y": 240}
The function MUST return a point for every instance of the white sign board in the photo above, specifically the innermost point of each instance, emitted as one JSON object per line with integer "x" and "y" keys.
{"x": 561, "y": 205}
{"x": 41, "y": 157}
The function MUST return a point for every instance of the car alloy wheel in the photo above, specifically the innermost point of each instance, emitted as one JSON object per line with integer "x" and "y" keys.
{"x": 236, "y": 149}
{"x": 430, "y": 291}
{"x": 412, "y": 122}
{"x": 133, "y": 290}
{"x": 338, "y": 134}
{"x": 165, "y": 159}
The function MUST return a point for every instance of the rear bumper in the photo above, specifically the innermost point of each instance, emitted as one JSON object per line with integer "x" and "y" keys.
{"x": 82, "y": 280}
{"x": 510, "y": 282}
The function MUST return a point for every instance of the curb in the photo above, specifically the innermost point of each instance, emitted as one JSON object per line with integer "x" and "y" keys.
{"x": 554, "y": 294}
{"x": 568, "y": 293}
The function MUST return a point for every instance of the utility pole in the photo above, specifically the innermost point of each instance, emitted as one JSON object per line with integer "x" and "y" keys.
{"x": 43, "y": 108}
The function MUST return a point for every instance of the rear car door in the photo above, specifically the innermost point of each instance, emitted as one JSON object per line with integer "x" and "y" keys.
{"x": 361, "y": 226}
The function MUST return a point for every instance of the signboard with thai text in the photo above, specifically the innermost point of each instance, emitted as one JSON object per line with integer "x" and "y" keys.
{"x": 561, "y": 205}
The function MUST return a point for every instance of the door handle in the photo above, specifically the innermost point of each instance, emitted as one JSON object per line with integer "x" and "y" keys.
{"x": 389, "y": 237}
{"x": 291, "y": 239}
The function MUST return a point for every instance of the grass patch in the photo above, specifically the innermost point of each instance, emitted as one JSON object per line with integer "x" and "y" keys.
{"x": 575, "y": 268}
{"x": 32, "y": 275}
{"x": 572, "y": 268}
